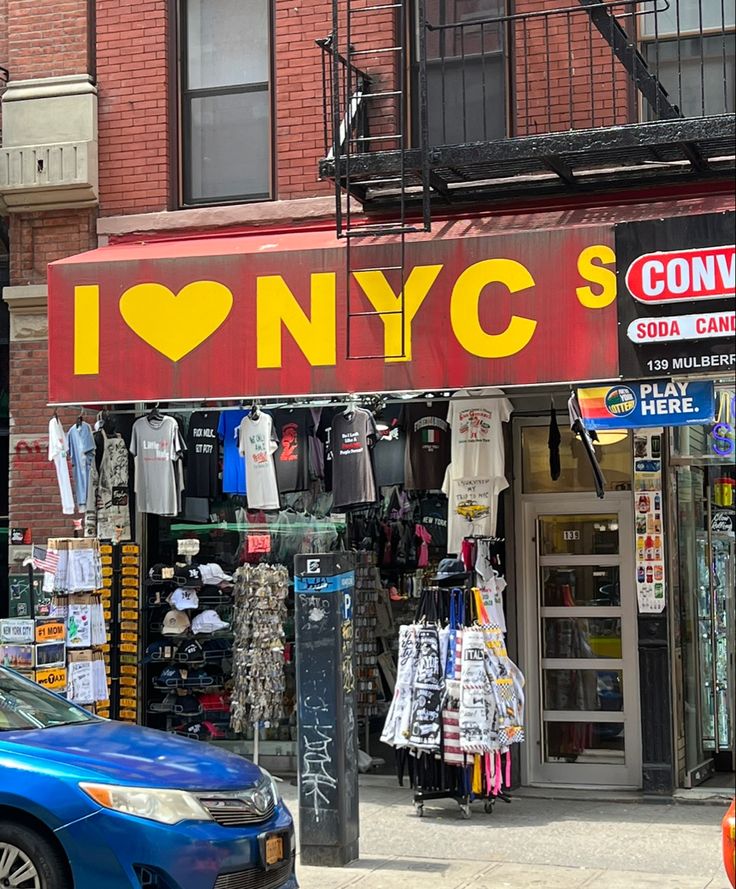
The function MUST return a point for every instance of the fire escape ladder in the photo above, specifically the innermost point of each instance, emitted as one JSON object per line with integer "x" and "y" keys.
{"x": 368, "y": 119}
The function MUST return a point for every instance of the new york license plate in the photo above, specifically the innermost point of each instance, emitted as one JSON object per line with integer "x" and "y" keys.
{"x": 274, "y": 849}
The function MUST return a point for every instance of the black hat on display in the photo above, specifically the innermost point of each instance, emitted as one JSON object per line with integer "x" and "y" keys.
{"x": 198, "y": 679}
{"x": 191, "y": 653}
{"x": 188, "y": 576}
{"x": 187, "y": 704}
{"x": 169, "y": 677}
{"x": 451, "y": 571}
{"x": 164, "y": 706}
{"x": 159, "y": 651}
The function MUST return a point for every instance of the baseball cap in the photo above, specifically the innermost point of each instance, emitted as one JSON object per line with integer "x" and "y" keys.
{"x": 213, "y": 575}
{"x": 451, "y": 569}
{"x": 191, "y": 653}
{"x": 202, "y": 731}
{"x": 175, "y": 623}
{"x": 188, "y": 576}
{"x": 160, "y": 573}
{"x": 198, "y": 679}
{"x": 169, "y": 677}
{"x": 182, "y": 599}
{"x": 166, "y": 705}
{"x": 187, "y": 704}
{"x": 208, "y": 621}
{"x": 212, "y": 702}
{"x": 159, "y": 651}
{"x": 215, "y": 649}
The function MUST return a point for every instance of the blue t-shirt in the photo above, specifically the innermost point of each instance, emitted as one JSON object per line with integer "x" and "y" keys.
{"x": 233, "y": 464}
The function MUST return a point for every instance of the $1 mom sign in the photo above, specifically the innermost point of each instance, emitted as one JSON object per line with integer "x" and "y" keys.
{"x": 237, "y": 316}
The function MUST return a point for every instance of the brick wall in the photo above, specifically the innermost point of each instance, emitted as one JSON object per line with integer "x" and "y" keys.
{"x": 39, "y": 238}
{"x": 46, "y": 39}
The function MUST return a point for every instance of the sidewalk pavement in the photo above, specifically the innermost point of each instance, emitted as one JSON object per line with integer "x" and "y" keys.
{"x": 531, "y": 843}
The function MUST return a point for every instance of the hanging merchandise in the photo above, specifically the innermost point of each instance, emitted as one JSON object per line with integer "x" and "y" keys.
{"x": 82, "y": 452}
{"x": 389, "y": 450}
{"x": 293, "y": 431}
{"x": 58, "y": 450}
{"x": 490, "y": 582}
{"x": 157, "y": 447}
{"x": 258, "y": 649}
{"x": 427, "y": 452}
{"x": 367, "y": 589}
{"x": 203, "y": 455}
{"x": 233, "y": 467}
{"x": 354, "y": 433}
{"x": 477, "y": 433}
{"x": 257, "y": 444}
{"x": 77, "y": 566}
{"x": 107, "y": 516}
{"x": 324, "y": 436}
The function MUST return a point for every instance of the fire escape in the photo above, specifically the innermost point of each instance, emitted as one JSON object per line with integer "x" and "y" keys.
{"x": 412, "y": 121}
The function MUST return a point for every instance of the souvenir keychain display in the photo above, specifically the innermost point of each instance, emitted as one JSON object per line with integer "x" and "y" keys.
{"x": 258, "y": 650}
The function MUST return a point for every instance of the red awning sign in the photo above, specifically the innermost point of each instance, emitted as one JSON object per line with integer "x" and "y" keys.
{"x": 682, "y": 327}
{"x": 683, "y": 275}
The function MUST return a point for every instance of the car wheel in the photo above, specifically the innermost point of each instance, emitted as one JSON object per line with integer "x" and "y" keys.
{"x": 28, "y": 861}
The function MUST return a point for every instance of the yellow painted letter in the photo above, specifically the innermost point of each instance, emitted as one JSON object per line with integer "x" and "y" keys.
{"x": 87, "y": 329}
{"x": 375, "y": 286}
{"x": 315, "y": 335}
{"x": 597, "y": 274}
{"x": 465, "y": 303}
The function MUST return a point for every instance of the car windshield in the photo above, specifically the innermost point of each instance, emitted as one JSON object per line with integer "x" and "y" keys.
{"x": 25, "y": 705}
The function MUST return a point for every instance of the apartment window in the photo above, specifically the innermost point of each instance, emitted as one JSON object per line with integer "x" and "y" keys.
{"x": 690, "y": 47}
{"x": 466, "y": 71}
{"x": 226, "y": 100}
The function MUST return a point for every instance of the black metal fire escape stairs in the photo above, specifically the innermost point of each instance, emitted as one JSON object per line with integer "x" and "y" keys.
{"x": 350, "y": 100}
{"x": 389, "y": 176}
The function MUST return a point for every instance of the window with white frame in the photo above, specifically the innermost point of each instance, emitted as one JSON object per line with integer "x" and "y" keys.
{"x": 225, "y": 77}
{"x": 689, "y": 45}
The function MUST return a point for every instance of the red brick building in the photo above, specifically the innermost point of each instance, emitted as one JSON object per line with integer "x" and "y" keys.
{"x": 145, "y": 120}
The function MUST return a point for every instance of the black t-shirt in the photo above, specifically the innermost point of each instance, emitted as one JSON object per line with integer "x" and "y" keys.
{"x": 352, "y": 438}
{"x": 433, "y": 515}
{"x": 203, "y": 452}
{"x": 388, "y": 453}
{"x": 324, "y": 434}
{"x": 291, "y": 458}
{"x": 428, "y": 445}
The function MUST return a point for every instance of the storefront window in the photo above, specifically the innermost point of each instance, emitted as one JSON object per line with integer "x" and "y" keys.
{"x": 598, "y": 743}
{"x": 584, "y": 585}
{"x": 614, "y": 456}
{"x": 578, "y": 535}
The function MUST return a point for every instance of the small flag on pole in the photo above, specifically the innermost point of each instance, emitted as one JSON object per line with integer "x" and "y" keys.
{"x": 45, "y": 559}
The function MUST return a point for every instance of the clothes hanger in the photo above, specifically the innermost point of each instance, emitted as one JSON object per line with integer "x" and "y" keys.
{"x": 155, "y": 413}
{"x": 255, "y": 410}
{"x": 80, "y": 419}
{"x": 350, "y": 407}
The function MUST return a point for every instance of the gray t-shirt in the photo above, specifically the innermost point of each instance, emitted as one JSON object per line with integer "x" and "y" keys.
{"x": 352, "y": 472}
{"x": 157, "y": 448}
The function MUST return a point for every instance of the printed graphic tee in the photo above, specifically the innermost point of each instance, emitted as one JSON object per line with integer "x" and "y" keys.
{"x": 352, "y": 438}
{"x": 388, "y": 453}
{"x": 233, "y": 467}
{"x": 472, "y": 508}
{"x": 292, "y": 429}
{"x": 257, "y": 444}
{"x": 203, "y": 452}
{"x": 427, "y": 450}
{"x": 324, "y": 434}
{"x": 157, "y": 448}
{"x": 477, "y": 434}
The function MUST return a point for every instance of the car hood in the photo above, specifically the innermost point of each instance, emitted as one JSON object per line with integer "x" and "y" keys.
{"x": 131, "y": 755}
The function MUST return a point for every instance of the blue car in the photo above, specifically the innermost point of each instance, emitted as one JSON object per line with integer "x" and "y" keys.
{"x": 86, "y": 803}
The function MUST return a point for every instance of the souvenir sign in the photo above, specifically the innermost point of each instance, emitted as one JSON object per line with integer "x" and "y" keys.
{"x": 655, "y": 403}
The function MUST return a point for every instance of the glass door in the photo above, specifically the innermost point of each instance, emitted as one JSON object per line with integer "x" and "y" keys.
{"x": 586, "y": 700}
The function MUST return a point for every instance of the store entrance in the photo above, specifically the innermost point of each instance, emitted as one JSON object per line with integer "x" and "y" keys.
{"x": 580, "y": 627}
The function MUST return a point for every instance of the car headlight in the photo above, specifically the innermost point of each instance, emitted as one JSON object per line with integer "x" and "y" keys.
{"x": 270, "y": 782}
{"x": 165, "y": 806}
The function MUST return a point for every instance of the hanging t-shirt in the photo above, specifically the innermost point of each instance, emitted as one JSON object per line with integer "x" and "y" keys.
{"x": 352, "y": 438}
{"x": 433, "y": 515}
{"x": 233, "y": 467}
{"x": 157, "y": 448}
{"x": 257, "y": 443}
{"x": 427, "y": 451}
{"x": 472, "y": 508}
{"x": 203, "y": 453}
{"x": 58, "y": 450}
{"x": 388, "y": 453}
{"x": 292, "y": 429}
{"x": 477, "y": 433}
{"x": 324, "y": 434}
{"x": 82, "y": 452}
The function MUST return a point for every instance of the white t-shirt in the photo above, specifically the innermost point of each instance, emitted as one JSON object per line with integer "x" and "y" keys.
{"x": 472, "y": 508}
{"x": 477, "y": 449}
{"x": 257, "y": 443}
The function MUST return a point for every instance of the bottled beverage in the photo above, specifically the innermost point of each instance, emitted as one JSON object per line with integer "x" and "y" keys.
{"x": 656, "y": 447}
{"x": 658, "y": 590}
{"x": 649, "y": 548}
{"x": 657, "y": 547}
{"x": 643, "y": 503}
{"x": 640, "y": 574}
{"x": 657, "y": 502}
{"x": 659, "y": 572}
{"x": 640, "y": 548}
{"x": 650, "y": 574}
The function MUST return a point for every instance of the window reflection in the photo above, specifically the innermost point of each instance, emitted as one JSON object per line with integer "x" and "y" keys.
{"x": 582, "y": 637}
{"x": 583, "y": 690}
{"x": 598, "y": 743}
{"x": 582, "y": 586}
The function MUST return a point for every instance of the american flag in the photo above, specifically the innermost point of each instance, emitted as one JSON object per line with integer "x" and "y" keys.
{"x": 45, "y": 559}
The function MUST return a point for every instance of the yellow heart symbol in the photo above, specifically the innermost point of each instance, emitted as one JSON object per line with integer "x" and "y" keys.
{"x": 176, "y": 323}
